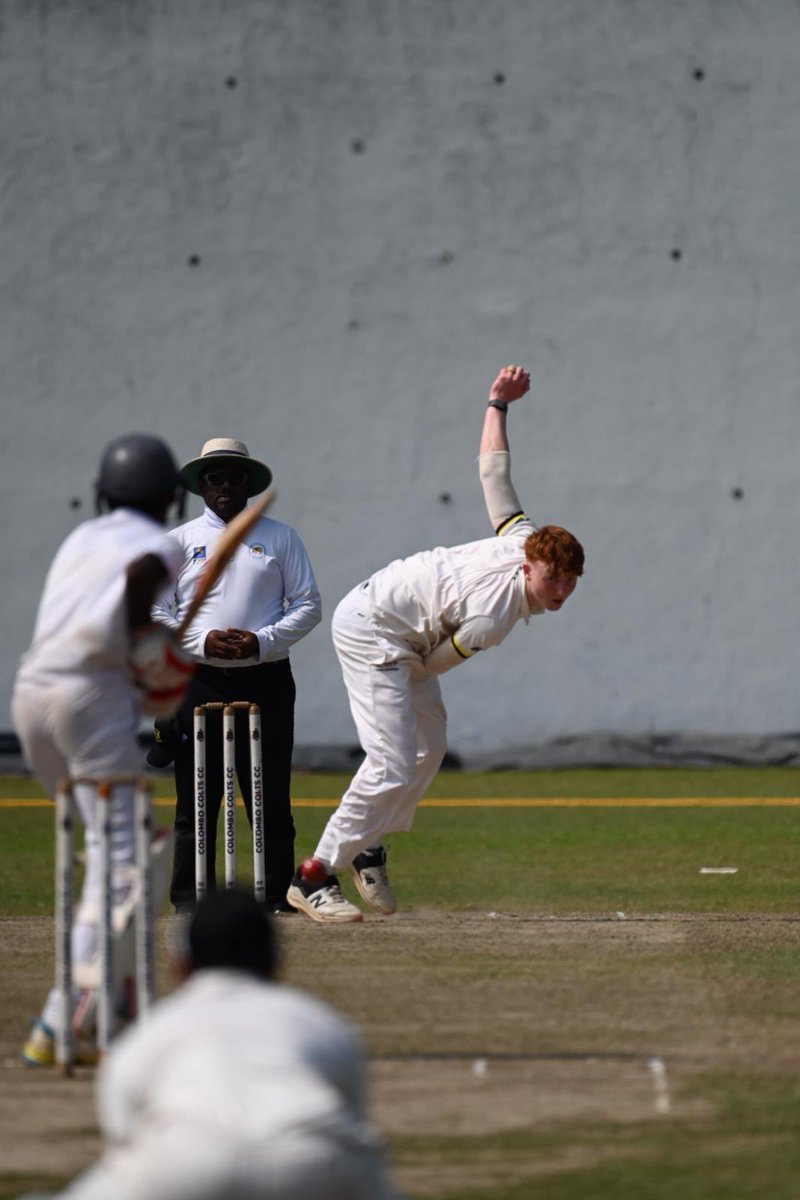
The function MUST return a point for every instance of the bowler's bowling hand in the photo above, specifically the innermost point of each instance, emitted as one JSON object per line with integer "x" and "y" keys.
{"x": 511, "y": 383}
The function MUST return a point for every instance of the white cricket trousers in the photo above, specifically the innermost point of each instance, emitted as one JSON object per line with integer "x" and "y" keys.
{"x": 401, "y": 724}
{"x": 84, "y": 726}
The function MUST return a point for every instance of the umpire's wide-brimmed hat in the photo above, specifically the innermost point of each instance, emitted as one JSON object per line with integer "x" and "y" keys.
{"x": 226, "y": 452}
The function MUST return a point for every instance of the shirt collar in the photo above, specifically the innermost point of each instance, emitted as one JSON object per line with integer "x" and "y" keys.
{"x": 525, "y": 610}
{"x": 524, "y": 606}
{"x": 212, "y": 518}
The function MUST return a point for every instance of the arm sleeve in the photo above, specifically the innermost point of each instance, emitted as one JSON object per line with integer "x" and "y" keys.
{"x": 444, "y": 657}
{"x": 164, "y": 606}
{"x": 302, "y": 605}
{"x": 502, "y": 501}
{"x": 119, "y": 1089}
{"x": 165, "y": 602}
{"x": 343, "y": 1067}
{"x": 474, "y": 634}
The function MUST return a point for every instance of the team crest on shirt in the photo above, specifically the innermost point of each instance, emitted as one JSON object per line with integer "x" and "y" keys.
{"x": 198, "y": 554}
{"x": 256, "y": 550}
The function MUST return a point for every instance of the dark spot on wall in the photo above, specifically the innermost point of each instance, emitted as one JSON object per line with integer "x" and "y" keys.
{"x": 737, "y": 493}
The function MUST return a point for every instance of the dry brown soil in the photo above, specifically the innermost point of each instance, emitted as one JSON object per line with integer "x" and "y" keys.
{"x": 476, "y": 1023}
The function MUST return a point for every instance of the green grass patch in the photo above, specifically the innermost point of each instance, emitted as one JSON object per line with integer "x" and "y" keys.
{"x": 597, "y": 782}
{"x": 588, "y": 860}
{"x": 747, "y": 1149}
{"x": 599, "y": 860}
{"x": 600, "y": 783}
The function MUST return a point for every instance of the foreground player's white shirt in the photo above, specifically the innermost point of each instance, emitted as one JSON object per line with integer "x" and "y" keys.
{"x": 81, "y": 625}
{"x": 235, "y": 1087}
{"x": 239, "y": 1057}
{"x": 268, "y": 588}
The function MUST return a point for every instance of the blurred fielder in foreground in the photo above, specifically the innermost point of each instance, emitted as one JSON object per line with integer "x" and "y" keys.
{"x": 235, "y": 1087}
{"x": 94, "y": 665}
{"x": 396, "y": 633}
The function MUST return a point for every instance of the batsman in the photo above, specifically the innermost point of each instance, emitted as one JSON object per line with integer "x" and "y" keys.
{"x": 396, "y": 633}
{"x": 95, "y": 664}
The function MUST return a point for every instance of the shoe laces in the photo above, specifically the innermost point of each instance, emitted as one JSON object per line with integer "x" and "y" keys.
{"x": 334, "y": 892}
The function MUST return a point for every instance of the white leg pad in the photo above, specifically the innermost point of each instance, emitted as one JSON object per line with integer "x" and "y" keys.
{"x": 87, "y": 975}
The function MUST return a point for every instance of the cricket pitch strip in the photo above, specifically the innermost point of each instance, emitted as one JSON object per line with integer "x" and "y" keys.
{"x": 477, "y": 1024}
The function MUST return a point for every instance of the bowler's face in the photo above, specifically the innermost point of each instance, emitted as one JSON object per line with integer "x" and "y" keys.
{"x": 546, "y": 589}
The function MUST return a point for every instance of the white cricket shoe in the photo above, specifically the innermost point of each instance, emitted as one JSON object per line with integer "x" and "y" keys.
{"x": 369, "y": 872}
{"x": 322, "y": 902}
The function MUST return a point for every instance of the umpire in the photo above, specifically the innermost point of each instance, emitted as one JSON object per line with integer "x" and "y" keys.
{"x": 265, "y": 602}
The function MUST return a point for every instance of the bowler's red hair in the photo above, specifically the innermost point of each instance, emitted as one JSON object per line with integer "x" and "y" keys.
{"x": 557, "y": 548}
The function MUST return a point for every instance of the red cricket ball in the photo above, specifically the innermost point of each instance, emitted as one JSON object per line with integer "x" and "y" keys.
{"x": 313, "y": 870}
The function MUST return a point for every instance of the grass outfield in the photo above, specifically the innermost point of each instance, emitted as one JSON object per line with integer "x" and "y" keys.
{"x": 640, "y": 851}
{"x": 563, "y": 933}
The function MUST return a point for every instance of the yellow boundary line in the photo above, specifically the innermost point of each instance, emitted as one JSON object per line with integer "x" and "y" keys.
{"x": 618, "y": 802}
{"x": 518, "y": 802}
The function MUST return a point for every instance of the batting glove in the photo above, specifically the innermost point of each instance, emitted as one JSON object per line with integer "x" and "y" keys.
{"x": 161, "y": 669}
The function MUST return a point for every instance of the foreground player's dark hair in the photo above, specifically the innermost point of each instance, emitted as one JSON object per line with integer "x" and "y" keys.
{"x": 231, "y": 929}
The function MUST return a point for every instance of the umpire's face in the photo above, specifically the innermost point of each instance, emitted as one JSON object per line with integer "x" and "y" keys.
{"x": 225, "y": 490}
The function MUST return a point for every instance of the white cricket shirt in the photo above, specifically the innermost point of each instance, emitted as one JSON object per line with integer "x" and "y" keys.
{"x": 474, "y": 593}
{"x": 235, "y": 1059}
{"x": 267, "y": 588}
{"x": 81, "y": 624}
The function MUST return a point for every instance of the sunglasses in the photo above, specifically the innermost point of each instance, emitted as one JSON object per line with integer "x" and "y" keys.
{"x": 233, "y": 478}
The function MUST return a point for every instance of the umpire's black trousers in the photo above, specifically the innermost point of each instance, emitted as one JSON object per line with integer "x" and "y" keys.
{"x": 271, "y": 686}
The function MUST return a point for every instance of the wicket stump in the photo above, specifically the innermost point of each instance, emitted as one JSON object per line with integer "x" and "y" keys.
{"x": 229, "y": 795}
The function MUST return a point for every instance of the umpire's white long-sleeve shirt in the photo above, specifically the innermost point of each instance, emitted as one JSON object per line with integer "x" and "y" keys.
{"x": 268, "y": 588}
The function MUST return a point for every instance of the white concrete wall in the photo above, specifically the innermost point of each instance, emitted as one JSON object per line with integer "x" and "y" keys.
{"x": 388, "y": 200}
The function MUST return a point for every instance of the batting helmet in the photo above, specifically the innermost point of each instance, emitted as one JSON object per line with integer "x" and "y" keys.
{"x": 137, "y": 471}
